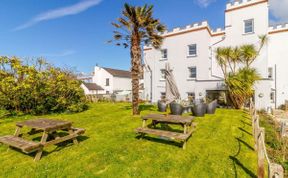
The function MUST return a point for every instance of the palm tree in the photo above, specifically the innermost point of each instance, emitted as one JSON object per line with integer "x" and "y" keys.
{"x": 135, "y": 27}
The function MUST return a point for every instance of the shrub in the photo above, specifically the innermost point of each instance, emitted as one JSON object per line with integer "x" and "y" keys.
{"x": 37, "y": 87}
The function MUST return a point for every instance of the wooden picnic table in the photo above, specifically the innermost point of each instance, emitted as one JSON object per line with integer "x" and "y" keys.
{"x": 49, "y": 127}
{"x": 185, "y": 121}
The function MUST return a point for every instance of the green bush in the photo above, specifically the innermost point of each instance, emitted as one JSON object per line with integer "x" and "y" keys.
{"x": 38, "y": 88}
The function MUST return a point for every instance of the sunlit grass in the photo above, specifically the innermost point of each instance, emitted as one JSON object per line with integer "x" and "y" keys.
{"x": 221, "y": 146}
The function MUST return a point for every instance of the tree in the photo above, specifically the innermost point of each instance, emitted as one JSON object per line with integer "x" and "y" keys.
{"x": 239, "y": 76}
{"x": 135, "y": 27}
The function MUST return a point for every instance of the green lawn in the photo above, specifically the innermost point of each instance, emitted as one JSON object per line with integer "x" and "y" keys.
{"x": 221, "y": 146}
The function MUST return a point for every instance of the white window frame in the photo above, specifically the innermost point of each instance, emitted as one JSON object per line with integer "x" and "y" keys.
{"x": 188, "y": 52}
{"x": 163, "y": 54}
{"x": 252, "y": 30}
{"x": 190, "y": 68}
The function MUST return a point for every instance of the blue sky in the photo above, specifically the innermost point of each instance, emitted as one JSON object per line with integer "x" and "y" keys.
{"x": 73, "y": 33}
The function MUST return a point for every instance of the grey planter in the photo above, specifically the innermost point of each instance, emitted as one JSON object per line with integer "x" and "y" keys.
{"x": 211, "y": 107}
{"x": 176, "y": 108}
{"x": 199, "y": 110}
{"x": 162, "y": 106}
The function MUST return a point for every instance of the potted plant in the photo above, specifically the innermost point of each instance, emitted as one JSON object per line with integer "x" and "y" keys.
{"x": 162, "y": 106}
{"x": 211, "y": 107}
{"x": 199, "y": 108}
{"x": 176, "y": 107}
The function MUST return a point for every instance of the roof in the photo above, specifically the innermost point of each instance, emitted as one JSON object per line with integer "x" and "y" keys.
{"x": 118, "y": 73}
{"x": 93, "y": 86}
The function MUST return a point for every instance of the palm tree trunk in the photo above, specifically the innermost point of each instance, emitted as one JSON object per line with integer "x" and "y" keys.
{"x": 135, "y": 53}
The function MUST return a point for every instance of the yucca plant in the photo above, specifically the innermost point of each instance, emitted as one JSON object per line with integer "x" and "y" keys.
{"x": 137, "y": 25}
{"x": 238, "y": 79}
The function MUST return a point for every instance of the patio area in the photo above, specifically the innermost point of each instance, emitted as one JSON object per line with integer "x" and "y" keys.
{"x": 221, "y": 146}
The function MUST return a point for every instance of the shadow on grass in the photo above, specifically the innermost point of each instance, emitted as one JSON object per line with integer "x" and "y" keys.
{"x": 236, "y": 161}
{"x": 243, "y": 130}
{"x": 142, "y": 107}
{"x": 245, "y": 143}
{"x": 59, "y": 147}
{"x": 146, "y": 107}
{"x": 160, "y": 140}
{"x": 246, "y": 123}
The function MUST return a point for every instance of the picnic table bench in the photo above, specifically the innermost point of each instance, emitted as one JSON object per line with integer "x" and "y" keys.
{"x": 184, "y": 121}
{"x": 49, "y": 127}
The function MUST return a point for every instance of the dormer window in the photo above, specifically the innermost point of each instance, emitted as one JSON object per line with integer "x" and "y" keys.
{"x": 249, "y": 26}
{"x": 164, "y": 54}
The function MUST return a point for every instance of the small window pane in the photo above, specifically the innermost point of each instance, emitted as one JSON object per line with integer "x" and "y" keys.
{"x": 107, "y": 81}
{"x": 272, "y": 97}
{"x": 249, "y": 26}
{"x": 270, "y": 72}
{"x": 164, "y": 54}
{"x": 192, "y": 72}
{"x": 163, "y": 76}
{"x": 192, "y": 50}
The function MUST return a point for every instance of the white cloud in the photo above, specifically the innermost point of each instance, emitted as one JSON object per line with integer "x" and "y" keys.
{"x": 204, "y": 3}
{"x": 60, "y": 54}
{"x": 279, "y": 10}
{"x": 60, "y": 12}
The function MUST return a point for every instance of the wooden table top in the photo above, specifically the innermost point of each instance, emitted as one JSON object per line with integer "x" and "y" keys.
{"x": 169, "y": 118}
{"x": 45, "y": 124}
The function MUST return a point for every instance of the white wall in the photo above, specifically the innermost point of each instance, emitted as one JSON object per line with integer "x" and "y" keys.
{"x": 120, "y": 83}
{"x": 100, "y": 76}
{"x": 278, "y": 54}
{"x": 88, "y": 92}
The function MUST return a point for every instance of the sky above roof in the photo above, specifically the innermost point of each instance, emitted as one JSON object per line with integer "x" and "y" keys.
{"x": 74, "y": 33}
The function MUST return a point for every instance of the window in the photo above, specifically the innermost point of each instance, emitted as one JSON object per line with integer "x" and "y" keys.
{"x": 107, "y": 92}
{"x": 192, "y": 50}
{"x": 164, "y": 54}
{"x": 272, "y": 97}
{"x": 107, "y": 81}
{"x": 249, "y": 26}
{"x": 163, "y": 95}
{"x": 192, "y": 72}
{"x": 270, "y": 72}
{"x": 163, "y": 75}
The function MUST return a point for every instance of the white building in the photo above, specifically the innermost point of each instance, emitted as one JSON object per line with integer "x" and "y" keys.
{"x": 108, "y": 81}
{"x": 190, "y": 52}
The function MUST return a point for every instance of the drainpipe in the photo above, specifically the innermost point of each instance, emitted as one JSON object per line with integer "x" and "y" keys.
{"x": 151, "y": 82}
{"x": 275, "y": 86}
{"x": 211, "y": 54}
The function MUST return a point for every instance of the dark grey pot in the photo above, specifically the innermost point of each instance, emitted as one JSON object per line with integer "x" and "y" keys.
{"x": 211, "y": 107}
{"x": 199, "y": 110}
{"x": 162, "y": 107}
{"x": 176, "y": 108}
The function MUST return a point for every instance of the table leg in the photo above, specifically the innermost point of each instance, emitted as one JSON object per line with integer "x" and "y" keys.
{"x": 75, "y": 141}
{"x": 144, "y": 123}
{"x": 185, "y": 129}
{"x": 17, "y": 132}
{"x": 40, "y": 151}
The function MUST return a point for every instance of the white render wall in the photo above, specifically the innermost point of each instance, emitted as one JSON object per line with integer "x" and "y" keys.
{"x": 120, "y": 83}
{"x": 278, "y": 55}
{"x": 209, "y": 74}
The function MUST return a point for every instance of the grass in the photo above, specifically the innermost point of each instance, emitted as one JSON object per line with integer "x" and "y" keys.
{"x": 221, "y": 146}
